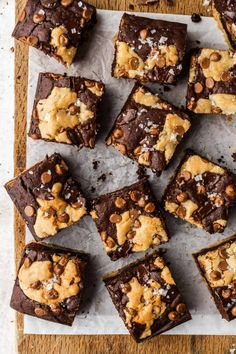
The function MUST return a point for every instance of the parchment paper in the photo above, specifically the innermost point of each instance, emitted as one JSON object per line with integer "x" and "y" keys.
{"x": 213, "y": 136}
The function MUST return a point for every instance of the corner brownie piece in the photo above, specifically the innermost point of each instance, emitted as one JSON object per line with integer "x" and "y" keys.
{"x": 224, "y": 12}
{"x": 146, "y": 297}
{"x": 65, "y": 109}
{"x": 212, "y": 82}
{"x": 149, "y": 49}
{"x": 201, "y": 193}
{"x": 47, "y": 197}
{"x": 148, "y": 129}
{"x": 49, "y": 283}
{"x": 129, "y": 220}
{"x": 56, "y": 27}
{"x": 217, "y": 264}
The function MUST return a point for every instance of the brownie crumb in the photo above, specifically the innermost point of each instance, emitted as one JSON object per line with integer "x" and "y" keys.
{"x": 93, "y": 189}
{"x": 196, "y": 18}
{"x": 167, "y": 88}
{"x": 131, "y": 7}
{"x": 95, "y": 164}
{"x": 102, "y": 177}
{"x": 198, "y": 42}
{"x": 234, "y": 156}
{"x": 141, "y": 172}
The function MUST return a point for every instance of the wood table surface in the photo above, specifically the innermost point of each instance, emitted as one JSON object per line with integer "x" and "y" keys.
{"x": 97, "y": 344}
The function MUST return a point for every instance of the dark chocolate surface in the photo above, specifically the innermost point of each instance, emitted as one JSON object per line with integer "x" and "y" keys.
{"x": 227, "y": 12}
{"x": 84, "y": 134}
{"x": 145, "y": 271}
{"x": 76, "y": 16}
{"x": 135, "y": 121}
{"x": 68, "y": 308}
{"x": 105, "y": 206}
{"x": 214, "y": 186}
{"x": 28, "y": 186}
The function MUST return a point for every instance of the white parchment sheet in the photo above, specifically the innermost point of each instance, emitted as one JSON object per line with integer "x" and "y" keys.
{"x": 213, "y": 136}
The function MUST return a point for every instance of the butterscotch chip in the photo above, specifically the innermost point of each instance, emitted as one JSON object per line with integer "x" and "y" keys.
{"x": 40, "y": 311}
{"x": 230, "y": 191}
{"x": 185, "y": 175}
{"x": 46, "y": 177}
{"x": 205, "y": 63}
{"x": 223, "y": 252}
{"x": 86, "y": 14}
{"x": 154, "y": 131}
{"x": 181, "y": 212}
{"x": 216, "y": 227}
{"x": 32, "y": 40}
{"x": 121, "y": 148}
{"x": 120, "y": 202}
{"x": 63, "y": 218}
{"x": 76, "y": 205}
{"x": 210, "y": 83}
{"x": 134, "y": 213}
{"x": 180, "y": 130}
{"x": 201, "y": 189}
{"x": 73, "y": 109}
{"x": 110, "y": 243}
{"x": 182, "y": 197}
{"x": 56, "y": 308}
{"x": 143, "y": 33}
{"x": 181, "y": 308}
{"x": 142, "y": 202}
{"x": 133, "y": 63}
{"x": 233, "y": 311}
{"x": 173, "y": 315}
{"x": 138, "y": 150}
{"x": 160, "y": 62}
{"x": 118, "y": 133}
{"x": 103, "y": 236}
{"x": 215, "y": 56}
{"x": 226, "y": 293}
{"x": 66, "y": 2}
{"x": 27, "y": 262}
{"x": 126, "y": 288}
{"x": 59, "y": 169}
{"x": 219, "y": 201}
{"x": 115, "y": 218}
{"x": 137, "y": 224}
{"x": 38, "y": 18}
{"x": 22, "y": 16}
{"x": 223, "y": 265}
{"x": 198, "y": 88}
{"x": 58, "y": 269}
{"x": 29, "y": 210}
{"x": 225, "y": 76}
{"x": 63, "y": 261}
{"x": 149, "y": 207}
{"x": 215, "y": 275}
{"x": 36, "y": 285}
{"x": 130, "y": 235}
{"x": 134, "y": 195}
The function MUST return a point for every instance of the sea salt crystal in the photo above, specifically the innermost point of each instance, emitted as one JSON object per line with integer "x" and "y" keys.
{"x": 73, "y": 30}
{"x": 153, "y": 31}
{"x": 198, "y": 178}
{"x": 162, "y": 40}
{"x": 78, "y": 102}
{"x": 171, "y": 72}
{"x": 31, "y": 172}
{"x": 173, "y": 137}
{"x": 41, "y": 12}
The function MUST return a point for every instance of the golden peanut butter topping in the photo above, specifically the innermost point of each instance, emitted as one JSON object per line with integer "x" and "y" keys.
{"x": 60, "y": 42}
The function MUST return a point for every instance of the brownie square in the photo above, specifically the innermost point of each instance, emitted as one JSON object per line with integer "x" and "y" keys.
{"x": 129, "y": 220}
{"x": 212, "y": 82}
{"x": 56, "y": 27}
{"x": 146, "y": 297}
{"x": 217, "y": 265}
{"x": 49, "y": 283}
{"x": 149, "y": 49}
{"x": 47, "y": 197}
{"x": 201, "y": 192}
{"x": 65, "y": 110}
{"x": 224, "y": 12}
{"x": 148, "y": 129}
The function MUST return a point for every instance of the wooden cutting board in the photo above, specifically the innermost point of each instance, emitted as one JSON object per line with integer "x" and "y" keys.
{"x": 122, "y": 344}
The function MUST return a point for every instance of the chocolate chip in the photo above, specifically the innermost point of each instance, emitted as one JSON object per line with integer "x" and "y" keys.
{"x": 118, "y": 133}
{"x": 215, "y": 56}
{"x": 27, "y": 262}
{"x": 210, "y": 83}
{"x": 215, "y": 275}
{"x": 135, "y": 195}
{"x": 72, "y": 303}
{"x": 182, "y": 197}
{"x": 134, "y": 63}
{"x": 130, "y": 235}
{"x": 63, "y": 218}
{"x": 223, "y": 253}
{"x": 52, "y": 294}
{"x": 149, "y": 208}
{"x": 181, "y": 212}
{"x": 143, "y": 33}
{"x": 181, "y": 308}
{"x": 38, "y": 18}
{"x": 160, "y": 62}
{"x": 40, "y": 312}
{"x": 29, "y": 210}
{"x": 36, "y": 285}
{"x": 173, "y": 315}
{"x": 120, "y": 202}
{"x": 73, "y": 109}
{"x": 154, "y": 131}
{"x": 46, "y": 177}
{"x": 233, "y": 311}
{"x": 196, "y": 18}
{"x": 223, "y": 265}
{"x": 230, "y": 191}
{"x": 198, "y": 88}
{"x": 66, "y": 2}
{"x": 205, "y": 63}
{"x": 115, "y": 218}
{"x": 226, "y": 293}
{"x": 32, "y": 40}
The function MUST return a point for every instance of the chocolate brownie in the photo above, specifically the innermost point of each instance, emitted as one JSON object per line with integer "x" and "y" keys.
{"x": 149, "y": 49}
{"x": 129, "y": 220}
{"x": 65, "y": 110}
{"x": 212, "y": 82}
{"x": 224, "y": 12}
{"x": 217, "y": 264}
{"x": 56, "y": 27}
{"x": 49, "y": 283}
{"x": 147, "y": 298}
{"x": 201, "y": 193}
{"x": 47, "y": 197}
{"x": 148, "y": 129}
